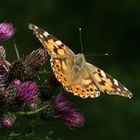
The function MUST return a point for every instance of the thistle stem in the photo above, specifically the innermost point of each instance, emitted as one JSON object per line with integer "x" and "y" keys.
{"x": 16, "y": 50}
{"x": 33, "y": 112}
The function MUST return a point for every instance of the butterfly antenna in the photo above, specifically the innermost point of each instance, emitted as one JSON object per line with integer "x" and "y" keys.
{"x": 80, "y": 37}
{"x": 16, "y": 50}
{"x": 105, "y": 54}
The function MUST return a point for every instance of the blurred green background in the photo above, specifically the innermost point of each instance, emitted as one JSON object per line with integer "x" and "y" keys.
{"x": 108, "y": 26}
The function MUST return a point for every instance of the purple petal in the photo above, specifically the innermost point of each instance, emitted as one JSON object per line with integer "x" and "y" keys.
{"x": 6, "y": 30}
{"x": 67, "y": 112}
{"x": 73, "y": 119}
{"x": 27, "y": 91}
{"x": 61, "y": 103}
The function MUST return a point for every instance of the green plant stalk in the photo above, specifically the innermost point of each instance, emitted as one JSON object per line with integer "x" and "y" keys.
{"x": 33, "y": 112}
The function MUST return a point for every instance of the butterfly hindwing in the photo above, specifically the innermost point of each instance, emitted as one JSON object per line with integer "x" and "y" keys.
{"x": 82, "y": 86}
{"x": 107, "y": 83}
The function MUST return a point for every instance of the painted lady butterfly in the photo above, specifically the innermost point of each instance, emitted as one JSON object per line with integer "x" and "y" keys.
{"x": 74, "y": 73}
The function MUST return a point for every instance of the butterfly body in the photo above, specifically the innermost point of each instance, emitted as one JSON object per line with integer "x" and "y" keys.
{"x": 75, "y": 73}
{"x": 79, "y": 62}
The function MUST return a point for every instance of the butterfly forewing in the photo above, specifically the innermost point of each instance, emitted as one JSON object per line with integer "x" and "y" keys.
{"x": 88, "y": 81}
{"x": 54, "y": 46}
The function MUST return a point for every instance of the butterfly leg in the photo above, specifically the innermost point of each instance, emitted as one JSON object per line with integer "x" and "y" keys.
{"x": 60, "y": 57}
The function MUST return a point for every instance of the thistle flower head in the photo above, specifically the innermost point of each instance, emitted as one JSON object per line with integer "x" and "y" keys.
{"x": 27, "y": 91}
{"x": 62, "y": 103}
{"x": 33, "y": 104}
{"x": 73, "y": 119}
{"x": 17, "y": 83}
{"x": 36, "y": 58}
{"x": 7, "y": 120}
{"x": 19, "y": 71}
{"x": 6, "y": 30}
{"x": 67, "y": 112}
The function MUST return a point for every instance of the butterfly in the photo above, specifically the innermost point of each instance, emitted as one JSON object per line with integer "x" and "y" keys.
{"x": 73, "y": 71}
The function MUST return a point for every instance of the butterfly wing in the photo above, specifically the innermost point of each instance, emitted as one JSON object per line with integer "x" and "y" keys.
{"x": 55, "y": 47}
{"x": 86, "y": 83}
{"x": 81, "y": 85}
{"x": 106, "y": 83}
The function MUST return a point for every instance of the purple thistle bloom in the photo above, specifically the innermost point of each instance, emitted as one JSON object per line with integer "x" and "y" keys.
{"x": 8, "y": 120}
{"x": 62, "y": 103}
{"x": 27, "y": 91}
{"x": 36, "y": 59}
{"x": 32, "y": 105}
{"x": 6, "y": 30}
{"x": 73, "y": 119}
{"x": 17, "y": 83}
{"x": 67, "y": 112}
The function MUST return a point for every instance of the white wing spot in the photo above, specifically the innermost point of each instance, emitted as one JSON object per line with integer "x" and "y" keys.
{"x": 85, "y": 96}
{"x": 103, "y": 73}
{"x": 95, "y": 95}
{"x": 35, "y": 27}
{"x": 116, "y": 82}
{"x": 41, "y": 36}
{"x": 46, "y": 34}
{"x": 118, "y": 89}
{"x": 58, "y": 42}
{"x": 125, "y": 89}
{"x": 75, "y": 93}
{"x": 36, "y": 32}
{"x": 117, "y": 93}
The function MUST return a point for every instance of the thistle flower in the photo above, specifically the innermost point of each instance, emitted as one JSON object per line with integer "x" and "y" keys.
{"x": 62, "y": 103}
{"x": 6, "y": 30}
{"x": 27, "y": 91}
{"x": 32, "y": 105}
{"x": 67, "y": 112}
{"x": 36, "y": 58}
{"x": 17, "y": 83}
{"x": 7, "y": 98}
{"x": 8, "y": 120}
{"x": 73, "y": 119}
{"x": 19, "y": 71}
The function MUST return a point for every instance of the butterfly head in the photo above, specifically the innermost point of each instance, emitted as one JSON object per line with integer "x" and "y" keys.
{"x": 79, "y": 61}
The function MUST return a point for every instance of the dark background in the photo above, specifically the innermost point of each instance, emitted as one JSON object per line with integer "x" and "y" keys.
{"x": 111, "y": 26}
